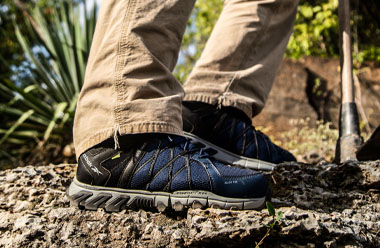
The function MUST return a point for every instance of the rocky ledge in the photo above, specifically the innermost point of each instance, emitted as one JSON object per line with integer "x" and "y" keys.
{"x": 324, "y": 205}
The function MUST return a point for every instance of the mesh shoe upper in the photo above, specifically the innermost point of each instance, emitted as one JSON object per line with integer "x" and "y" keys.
{"x": 168, "y": 164}
{"x": 232, "y": 130}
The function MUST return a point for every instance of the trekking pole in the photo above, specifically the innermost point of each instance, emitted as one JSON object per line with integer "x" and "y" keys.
{"x": 349, "y": 132}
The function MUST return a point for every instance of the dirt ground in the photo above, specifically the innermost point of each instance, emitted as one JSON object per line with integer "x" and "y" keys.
{"x": 324, "y": 205}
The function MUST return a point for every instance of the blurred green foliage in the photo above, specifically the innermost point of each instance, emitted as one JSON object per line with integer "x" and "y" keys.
{"x": 37, "y": 109}
{"x": 315, "y": 30}
{"x": 199, "y": 27}
{"x": 10, "y": 49}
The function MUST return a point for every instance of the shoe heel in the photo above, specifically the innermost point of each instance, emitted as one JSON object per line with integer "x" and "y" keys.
{"x": 78, "y": 196}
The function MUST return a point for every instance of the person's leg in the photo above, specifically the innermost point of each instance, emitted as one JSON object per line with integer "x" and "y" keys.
{"x": 242, "y": 56}
{"x": 237, "y": 69}
{"x": 129, "y": 92}
{"x": 129, "y": 87}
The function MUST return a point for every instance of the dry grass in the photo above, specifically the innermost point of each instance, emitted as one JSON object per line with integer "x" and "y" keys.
{"x": 308, "y": 144}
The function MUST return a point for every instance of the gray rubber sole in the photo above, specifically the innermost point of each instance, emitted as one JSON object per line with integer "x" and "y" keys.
{"x": 232, "y": 158}
{"x": 113, "y": 199}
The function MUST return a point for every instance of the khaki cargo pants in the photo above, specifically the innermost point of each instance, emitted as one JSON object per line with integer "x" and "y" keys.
{"x": 129, "y": 87}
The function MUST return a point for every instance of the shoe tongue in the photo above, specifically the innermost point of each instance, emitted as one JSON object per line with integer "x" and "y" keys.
{"x": 182, "y": 142}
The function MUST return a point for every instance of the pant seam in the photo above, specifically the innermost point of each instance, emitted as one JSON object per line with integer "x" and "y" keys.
{"x": 123, "y": 45}
{"x": 121, "y": 56}
{"x": 251, "y": 48}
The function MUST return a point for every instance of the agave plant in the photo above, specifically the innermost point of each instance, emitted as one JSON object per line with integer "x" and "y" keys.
{"x": 36, "y": 110}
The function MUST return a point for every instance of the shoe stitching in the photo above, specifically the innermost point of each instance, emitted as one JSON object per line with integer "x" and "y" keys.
{"x": 133, "y": 153}
{"x": 153, "y": 164}
{"x": 256, "y": 143}
{"x": 170, "y": 174}
{"x": 137, "y": 168}
{"x": 269, "y": 152}
{"x": 242, "y": 134}
{"x": 236, "y": 138}
{"x": 220, "y": 121}
{"x": 233, "y": 126}
{"x": 168, "y": 164}
{"x": 109, "y": 171}
{"x": 210, "y": 181}
{"x": 134, "y": 163}
{"x": 244, "y": 138}
{"x": 187, "y": 165}
{"x": 168, "y": 185}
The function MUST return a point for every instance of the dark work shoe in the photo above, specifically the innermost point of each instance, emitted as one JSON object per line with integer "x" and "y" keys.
{"x": 160, "y": 172}
{"x": 229, "y": 132}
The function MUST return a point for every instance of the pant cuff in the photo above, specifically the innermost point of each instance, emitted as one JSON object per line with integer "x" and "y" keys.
{"x": 225, "y": 100}
{"x": 132, "y": 128}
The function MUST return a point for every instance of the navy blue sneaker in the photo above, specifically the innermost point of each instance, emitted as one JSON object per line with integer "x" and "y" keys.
{"x": 230, "y": 133}
{"x": 162, "y": 171}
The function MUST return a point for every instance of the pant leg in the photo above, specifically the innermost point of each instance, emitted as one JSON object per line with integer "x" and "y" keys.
{"x": 129, "y": 87}
{"x": 240, "y": 60}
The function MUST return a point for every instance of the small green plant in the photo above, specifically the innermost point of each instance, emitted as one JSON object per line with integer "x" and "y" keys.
{"x": 271, "y": 226}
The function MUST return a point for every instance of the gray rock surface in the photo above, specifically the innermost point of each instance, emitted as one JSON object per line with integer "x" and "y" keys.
{"x": 324, "y": 205}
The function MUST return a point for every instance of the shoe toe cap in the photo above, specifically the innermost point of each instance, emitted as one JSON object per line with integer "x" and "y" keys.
{"x": 283, "y": 155}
